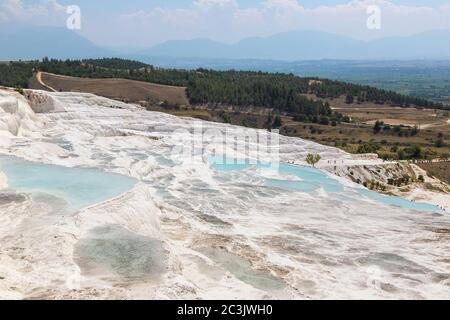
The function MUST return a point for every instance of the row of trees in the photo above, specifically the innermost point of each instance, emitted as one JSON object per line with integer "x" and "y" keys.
{"x": 410, "y": 152}
{"x": 401, "y": 131}
{"x": 107, "y": 68}
{"x": 244, "y": 88}
{"x": 333, "y": 89}
{"x": 329, "y": 119}
{"x": 114, "y": 63}
{"x": 16, "y": 74}
{"x": 262, "y": 90}
{"x": 278, "y": 91}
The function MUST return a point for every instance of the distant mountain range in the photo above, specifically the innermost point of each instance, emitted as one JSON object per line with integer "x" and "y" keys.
{"x": 29, "y": 43}
{"x": 36, "y": 42}
{"x": 311, "y": 45}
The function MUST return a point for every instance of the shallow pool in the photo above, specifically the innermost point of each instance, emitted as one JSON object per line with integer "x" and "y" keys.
{"x": 311, "y": 180}
{"x": 398, "y": 202}
{"x": 78, "y": 187}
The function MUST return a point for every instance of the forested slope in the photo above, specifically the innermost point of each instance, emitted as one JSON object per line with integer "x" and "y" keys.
{"x": 279, "y": 91}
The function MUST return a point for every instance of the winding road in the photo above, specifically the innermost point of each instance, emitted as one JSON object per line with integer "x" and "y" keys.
{"x": 39, "y": 79}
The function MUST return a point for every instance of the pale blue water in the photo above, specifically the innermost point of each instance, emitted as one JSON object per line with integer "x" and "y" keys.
{"x": 311, "y": 180}
{"x": 399, "y": 202}
{"x": 78, "y": 187}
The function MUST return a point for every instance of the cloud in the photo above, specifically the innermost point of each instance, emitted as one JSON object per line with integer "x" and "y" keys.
{"x": 225, "y": 20}
{"x": 214, "y": 4}
{"x": 48, "y": 12}
{"x": 248, "y": 17}
{"x": 350, "y": 18}
{"x": 228, "y": 21}
{"x": 204, "y": 18}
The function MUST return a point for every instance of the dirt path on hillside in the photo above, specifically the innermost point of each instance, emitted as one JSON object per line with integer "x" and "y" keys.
{"x": 435, "y": 125}
{"x": 39, "y": 79}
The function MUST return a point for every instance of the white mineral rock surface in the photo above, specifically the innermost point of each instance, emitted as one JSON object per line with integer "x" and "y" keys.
{"x": 188, "y": 231}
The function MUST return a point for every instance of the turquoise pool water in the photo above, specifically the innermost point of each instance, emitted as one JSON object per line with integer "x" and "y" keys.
{"x": 310, "y": 180}
{"x": 399, "y": 202}
{"x": 78, "y": 187}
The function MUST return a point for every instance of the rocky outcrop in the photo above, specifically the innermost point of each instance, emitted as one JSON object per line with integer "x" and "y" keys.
{"x": 384, "y": 174}
{"x": 15, "y": 114}
{"x": 41, "y": 101}
{"x": 400, "y": 179}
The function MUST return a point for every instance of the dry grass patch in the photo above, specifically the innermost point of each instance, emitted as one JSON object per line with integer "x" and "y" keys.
{"x": 117, "y": 89}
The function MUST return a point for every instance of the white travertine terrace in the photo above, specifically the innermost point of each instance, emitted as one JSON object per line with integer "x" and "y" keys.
{"x": 203, "y": 234}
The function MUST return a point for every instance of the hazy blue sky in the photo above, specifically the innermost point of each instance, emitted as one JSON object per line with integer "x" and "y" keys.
{"x": 141, "y": 23}
{"x": 119, "y": 6}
